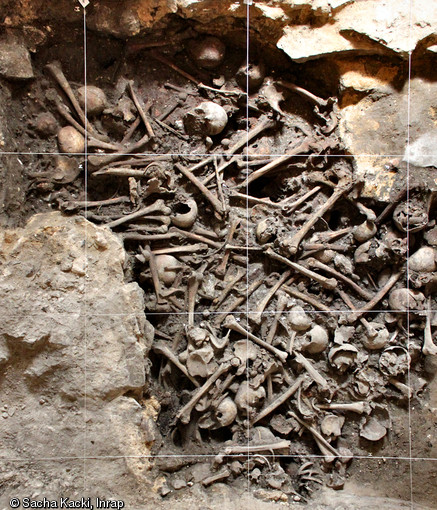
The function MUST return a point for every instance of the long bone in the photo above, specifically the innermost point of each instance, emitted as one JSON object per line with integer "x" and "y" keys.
{"x": 429, "y": 348}
{"x": 261, "y": 448}
{"x": 327, "y": 283}
{"x": 158, "y": 206}
{"x": 375, "y": 300}
{"x": 141, "y": 110}
{"x": 369, "y": 328}
{"x": 304, "y": 93}
{"x": 184, "y": 413}
{"x": 307, "y": 299}
{"x": 320, "y": 265}
{"x": 193, "y": 286}
{"x": 219, "y": 182}
{"x": 190, "y": 248}
{"x": 403, "y": 388}
{"x": 55, "y": 70}
{"x": 105, "y": 159}
{"x": 134, "y": 236}
{"x": 280, "y": 307}
{"x": 98, "y": 140}
{"x": 312, "y": 372}
{"x": 165, "y": 220}
{"x": 221, "y": 269}
{"x": 219, "y": 299}
{"x": 231, "y": 323}
{"x": 257, "y": 315}
{"x": 355, "y": 407}
{"x": 196, "y": 237}
{"x": 242, "y": 142}
{"x": 328, "y": 451}
{"x": 293, "y": 243}
{"x": 214, "y": 201}
{"x": 150, "y": 257}
{"x": 280, "y": 400}
{"x": 162, "y": 349}
{"x": 302, "y": 148}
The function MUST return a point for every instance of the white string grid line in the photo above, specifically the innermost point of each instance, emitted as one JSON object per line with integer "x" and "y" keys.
{"x": 85, "y": 417}
{"x": 410, "y": 458}
{"x": 410, "y": 438}
{"x": 247, "y": 233}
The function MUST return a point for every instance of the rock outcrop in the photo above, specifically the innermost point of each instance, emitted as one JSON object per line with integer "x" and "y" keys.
{"x": 73, "y": 354}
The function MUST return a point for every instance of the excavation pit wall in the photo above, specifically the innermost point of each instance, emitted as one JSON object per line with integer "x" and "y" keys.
{"x": 110, "y": 387}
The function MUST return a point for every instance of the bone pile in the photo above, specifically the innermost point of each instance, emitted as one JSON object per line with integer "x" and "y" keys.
{"x": 285, "y": 326}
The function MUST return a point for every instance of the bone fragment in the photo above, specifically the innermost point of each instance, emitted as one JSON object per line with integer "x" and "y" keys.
{"x": 280, "y": 307}
{"x": 302, "y": 148}
{"x": 255, "y": 131}
{"x": 218, "y": 477}
{"x": 221, "y": 269}
{"x": 239, "y": 301}
{"x": 219, "y": 299}
{"x": 147, "y": 253}
{"x": 101, "y": 160}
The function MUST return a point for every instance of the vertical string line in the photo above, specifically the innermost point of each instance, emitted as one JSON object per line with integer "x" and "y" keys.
{"x": 410, "y": 447}
{"x": 84, "y": 311}
{"x": 248, "y": 2}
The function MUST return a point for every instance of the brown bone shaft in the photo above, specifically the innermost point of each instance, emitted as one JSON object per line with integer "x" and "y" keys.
{"x": 327, "y": 283}
{"x": 202, "y": 188}
{"x": 280, "y": 400}
{"x": 375, "y": 300}
{"x": 303, "y": 147}
{"x": 295, "y": 241}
